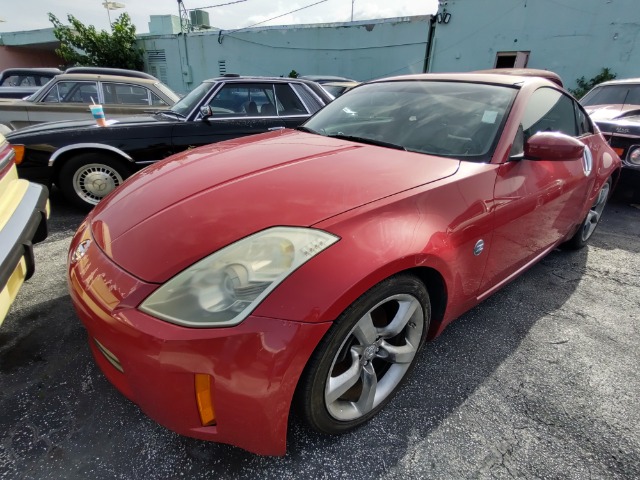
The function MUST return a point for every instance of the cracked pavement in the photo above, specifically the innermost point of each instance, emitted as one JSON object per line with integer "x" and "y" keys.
{"x": 539, "y": 381}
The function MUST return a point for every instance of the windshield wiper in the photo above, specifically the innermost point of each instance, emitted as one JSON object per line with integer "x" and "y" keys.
{"x": 369, "y": 141}
{"x": 170, "y": 113}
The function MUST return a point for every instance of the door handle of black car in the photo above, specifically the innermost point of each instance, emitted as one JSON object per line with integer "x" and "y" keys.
{"x": 276, "y": 128}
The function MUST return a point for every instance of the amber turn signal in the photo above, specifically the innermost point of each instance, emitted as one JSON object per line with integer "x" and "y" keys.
{"x": 204, "y": 399}
{"x": 619, "y": 151}
{"x": 19, "y": 152}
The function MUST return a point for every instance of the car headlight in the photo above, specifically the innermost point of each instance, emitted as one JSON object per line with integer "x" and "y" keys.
{"x": 225, "y": 287}
{"x": 633, "y": 157}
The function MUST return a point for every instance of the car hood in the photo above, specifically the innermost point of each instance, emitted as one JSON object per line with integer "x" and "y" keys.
{"x": 74, "y": 125}
{"x": 175, "y": 212}
{"x": 611, "y": 112}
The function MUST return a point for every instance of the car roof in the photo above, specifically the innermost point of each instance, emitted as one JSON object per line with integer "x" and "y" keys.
{"x": 526, "y": 72}
{"x": 32, "y": 70}
{"x": 496, "y": 78}
{"x": 111, "y": 71}
{"x": 111, "y": 78}
{"x": 619, "y": 82}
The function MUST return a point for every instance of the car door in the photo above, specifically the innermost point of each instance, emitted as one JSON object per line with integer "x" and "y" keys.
{"x": 237, "y": 110}
{"x": 65, "y": 100}
{"x": 537, "y": 202}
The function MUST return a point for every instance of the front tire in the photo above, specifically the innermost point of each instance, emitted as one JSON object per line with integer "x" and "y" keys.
{"x": 87, "y": 178}
{"x": 365, "y": 356}
{"x": 591, "y": 221}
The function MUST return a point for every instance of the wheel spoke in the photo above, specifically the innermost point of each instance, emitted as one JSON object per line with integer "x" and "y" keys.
{"x": 339, "y": 385}
{"x": 406, "y": 309}
{"x": 365, "y": 331}
{"x": 397, "y": 354}
{"x": 369, "y": 386}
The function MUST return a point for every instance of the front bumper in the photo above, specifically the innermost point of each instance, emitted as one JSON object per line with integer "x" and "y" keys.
{"x": 26, "y": 225}
{"x": 254, "y": 367}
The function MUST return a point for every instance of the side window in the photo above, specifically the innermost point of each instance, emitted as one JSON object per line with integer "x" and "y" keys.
{"x": 288, "y": 102}
{"x": 549, "y": 111}
{"x": 243, "y": 100}
{"x": 306, "y": 96}
{"x": 124, "y": 94}
{"x": 585, "y": 127}
{"x": 157, "y": 101}
{"x": 73, "y": 92}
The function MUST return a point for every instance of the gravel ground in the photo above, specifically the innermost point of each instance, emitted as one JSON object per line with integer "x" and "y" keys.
{"x": 540, "y": 381}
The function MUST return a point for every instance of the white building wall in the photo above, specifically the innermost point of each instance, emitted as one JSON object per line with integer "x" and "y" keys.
{"x": 361, "y": 50}
{"x": 573, "y": 38}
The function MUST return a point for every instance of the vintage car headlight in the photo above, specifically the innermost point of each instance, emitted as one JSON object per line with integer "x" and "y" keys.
{"x": 225, "y": 287}
{"x": 633, "y": 157}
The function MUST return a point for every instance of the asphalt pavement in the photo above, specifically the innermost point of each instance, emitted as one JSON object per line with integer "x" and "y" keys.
{"x": 539, "y": 381}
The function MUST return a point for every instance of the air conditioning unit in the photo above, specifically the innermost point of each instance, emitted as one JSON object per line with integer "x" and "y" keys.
{"x": 199, "y": 18}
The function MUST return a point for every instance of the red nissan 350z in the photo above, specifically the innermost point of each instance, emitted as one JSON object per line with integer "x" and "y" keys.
{"x": 310, "y": 265}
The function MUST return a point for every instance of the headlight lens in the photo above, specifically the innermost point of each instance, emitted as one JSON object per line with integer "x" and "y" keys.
{"x": 225, "y": 287}
{"x": 634, "y": 156}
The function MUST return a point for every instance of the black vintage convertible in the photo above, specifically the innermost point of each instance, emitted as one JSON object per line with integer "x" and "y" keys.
{"x": 87, "y": 161}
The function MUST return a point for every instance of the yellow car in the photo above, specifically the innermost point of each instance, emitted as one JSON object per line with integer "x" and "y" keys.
{"x": 24, "y": 210}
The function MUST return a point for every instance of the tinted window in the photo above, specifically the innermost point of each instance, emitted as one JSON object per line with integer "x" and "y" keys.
{"x": 451, "y": 119}
{"x": 549, "y": 110}
{"x": 585, "y": 127}
{"x": 308, "y": 99}
{"x": 288, "y": 101}
{"x": 244, "y": 99}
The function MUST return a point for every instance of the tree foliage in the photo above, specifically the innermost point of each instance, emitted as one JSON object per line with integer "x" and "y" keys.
{"x": 82, "y": 45}
{"x": 585, "y": 85}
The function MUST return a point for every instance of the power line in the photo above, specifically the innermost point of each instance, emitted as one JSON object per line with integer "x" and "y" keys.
{"x": 213, "y": 6}
{"x": 279, "y": 16}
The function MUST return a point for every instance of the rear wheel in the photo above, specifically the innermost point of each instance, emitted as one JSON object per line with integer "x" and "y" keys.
{"x": 365, "y": 356}
{"x": 589, "y": 224}
{"x": 87, "y": 178}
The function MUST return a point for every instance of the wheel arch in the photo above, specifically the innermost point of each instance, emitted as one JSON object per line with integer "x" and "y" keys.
{"x": 65, "y": 153}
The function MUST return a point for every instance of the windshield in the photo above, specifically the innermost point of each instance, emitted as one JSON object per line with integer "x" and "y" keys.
{"x": 186, "y": 104}
{"x": 451, "y": 119}
{"x": 613, "y": 95}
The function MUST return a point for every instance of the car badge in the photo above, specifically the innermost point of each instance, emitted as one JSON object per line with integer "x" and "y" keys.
{"x": 80, "y": 251}
{"x": 479, "y": 247}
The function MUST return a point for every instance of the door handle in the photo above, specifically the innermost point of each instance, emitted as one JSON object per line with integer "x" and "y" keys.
{"x": 275, "y": 128}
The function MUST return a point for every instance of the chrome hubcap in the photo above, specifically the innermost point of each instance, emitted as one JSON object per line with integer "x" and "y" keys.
{"x": 94, "y": 181}
{"x": 593, "y": 217}
{"x": 374, "y": 357}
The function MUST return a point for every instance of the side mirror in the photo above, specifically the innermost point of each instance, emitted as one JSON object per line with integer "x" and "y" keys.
{"x": 205, "y": 112}
{"x": 553, "y": 146}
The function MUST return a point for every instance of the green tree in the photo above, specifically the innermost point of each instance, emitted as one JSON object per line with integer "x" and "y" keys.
{"x": 82, "y": 45}
{"x": 585, "y": 85}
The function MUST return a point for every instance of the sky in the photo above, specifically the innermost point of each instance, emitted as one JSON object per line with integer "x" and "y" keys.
{"x": 32, "y": 14}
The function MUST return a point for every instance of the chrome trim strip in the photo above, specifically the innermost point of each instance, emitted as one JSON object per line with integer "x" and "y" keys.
{"x": 8, "y": 158}
{"x": 80, "y": 146}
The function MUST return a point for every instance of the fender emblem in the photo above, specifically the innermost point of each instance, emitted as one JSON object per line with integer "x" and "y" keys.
{"x": 477, "y": 250}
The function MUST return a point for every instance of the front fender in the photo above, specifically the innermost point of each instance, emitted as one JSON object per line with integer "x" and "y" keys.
{"x": 87, "y": 146}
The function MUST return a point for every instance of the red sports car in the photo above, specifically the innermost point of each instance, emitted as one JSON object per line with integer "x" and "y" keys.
{"x": 223, "y": 284}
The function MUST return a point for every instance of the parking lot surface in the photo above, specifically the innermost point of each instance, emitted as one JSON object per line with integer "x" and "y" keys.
{"x": 539, "y": 381}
